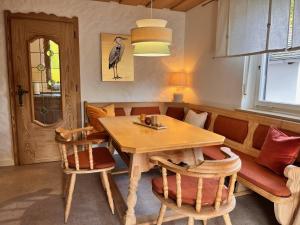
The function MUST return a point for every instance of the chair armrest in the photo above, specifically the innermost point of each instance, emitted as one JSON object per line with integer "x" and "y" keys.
{"x": 293, "y": 174}
{"x": 63, "y": 135}
{"x": 77, "y": 130}
{"x": 160, "y": 161}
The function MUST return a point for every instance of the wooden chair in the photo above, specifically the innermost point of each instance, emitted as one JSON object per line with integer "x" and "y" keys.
{"x": 199, "y": 191}
{"x": 79, "y": 157}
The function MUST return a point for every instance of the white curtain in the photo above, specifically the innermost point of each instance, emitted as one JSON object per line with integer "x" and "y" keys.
{"x": 248, "y": 27}
{"x": 296, "y": 30}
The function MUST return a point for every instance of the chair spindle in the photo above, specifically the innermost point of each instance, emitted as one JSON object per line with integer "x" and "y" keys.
{"x": 178, "y": 189}
{"x": 219, "y": 193}
{"x": 91, "y": 157}
{"x": 64, "y": 152}
{"x": 199, "y": 195}
{"x": 165, "y": 182}
{"x": 75, "y": 149}
{"x": 231, "y": 186}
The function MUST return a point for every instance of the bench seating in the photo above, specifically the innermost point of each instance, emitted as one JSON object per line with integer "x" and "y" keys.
{"x": 245, "y": 134}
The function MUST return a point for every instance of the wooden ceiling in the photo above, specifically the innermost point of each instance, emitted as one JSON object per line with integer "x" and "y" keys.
{"x": 177, "y": 5}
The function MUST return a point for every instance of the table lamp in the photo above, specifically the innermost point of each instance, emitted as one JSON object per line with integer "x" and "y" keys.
{"x": 178, "y": 80}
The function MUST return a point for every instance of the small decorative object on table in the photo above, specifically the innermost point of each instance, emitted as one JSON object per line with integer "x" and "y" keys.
{"x": 142, "y": 117}
{"x": 151, "y": 122}
{"x": 148, "y": 120}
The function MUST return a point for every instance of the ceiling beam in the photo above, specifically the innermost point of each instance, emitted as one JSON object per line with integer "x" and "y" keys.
{"x": 186, "y": 5}
{"x": 177, "y": 5}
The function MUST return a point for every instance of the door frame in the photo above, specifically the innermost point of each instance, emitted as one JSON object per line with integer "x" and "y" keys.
{"x": 8, "y": 15}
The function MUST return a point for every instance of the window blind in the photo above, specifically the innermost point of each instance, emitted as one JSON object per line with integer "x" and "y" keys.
{"x": 246, "y": 27}
{"x": 296, "y": 26}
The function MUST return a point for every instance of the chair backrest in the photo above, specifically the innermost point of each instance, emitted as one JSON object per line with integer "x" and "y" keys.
{"x": 71, "y": 142}
{"x": 217, "y": 169}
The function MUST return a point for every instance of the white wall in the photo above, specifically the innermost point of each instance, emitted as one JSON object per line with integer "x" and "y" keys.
{"x": 215, "y": 81}
{"x": 95, "y": 17}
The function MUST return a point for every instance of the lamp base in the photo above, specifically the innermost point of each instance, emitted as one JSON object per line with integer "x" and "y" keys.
{"x": 177, "y": 97}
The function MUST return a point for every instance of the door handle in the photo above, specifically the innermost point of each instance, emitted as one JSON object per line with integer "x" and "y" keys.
{"x": 20, "y": 93}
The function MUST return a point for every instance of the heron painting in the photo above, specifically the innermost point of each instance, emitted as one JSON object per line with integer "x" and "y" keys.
{"x": 117, "y": 57}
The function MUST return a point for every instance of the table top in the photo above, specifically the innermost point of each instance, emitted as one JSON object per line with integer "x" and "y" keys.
{"x": 133, "y": 138}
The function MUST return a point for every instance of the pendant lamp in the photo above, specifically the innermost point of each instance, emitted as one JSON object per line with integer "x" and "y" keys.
{"x": 151, "y": 37}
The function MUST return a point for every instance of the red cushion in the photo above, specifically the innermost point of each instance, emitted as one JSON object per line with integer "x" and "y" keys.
{"x": 120, "y": 112}
{"x": 102, "y": 158}
{"x": 145, "y": 110}
{"x": 261, "y": 133}
{"x": 278, "y": 151}
{"x": 231, "y": 128}
{"x": 175, "y": 112}
{"x": 189, "y": 189}
{"x": 254, "y": 173}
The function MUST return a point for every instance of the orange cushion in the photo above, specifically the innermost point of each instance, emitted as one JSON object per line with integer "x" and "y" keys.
{"x": 231, "y": 128}
{"x": 145, "y": 110}
{"x": 278, "y": 151}
{"x": 93, "y": 113}
{"x": 175, "y": 112}
{"x": 102, "y": 158}
{"x": 189, "y": 189}
{"x": 254, "y": 173}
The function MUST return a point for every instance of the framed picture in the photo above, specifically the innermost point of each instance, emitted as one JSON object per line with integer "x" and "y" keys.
{"x": 117, "y": 57}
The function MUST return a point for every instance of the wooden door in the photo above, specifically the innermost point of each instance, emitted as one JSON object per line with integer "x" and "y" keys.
{"x": 44, "y": 82}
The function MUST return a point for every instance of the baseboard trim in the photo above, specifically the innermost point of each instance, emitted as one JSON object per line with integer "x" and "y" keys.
{"x": 7, "y": 162}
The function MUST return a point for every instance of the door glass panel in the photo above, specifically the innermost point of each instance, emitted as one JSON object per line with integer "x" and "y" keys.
{"x": 45, "y": 78}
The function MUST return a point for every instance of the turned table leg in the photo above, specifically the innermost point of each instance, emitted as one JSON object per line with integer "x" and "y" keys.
{"x": 135, "y": 175}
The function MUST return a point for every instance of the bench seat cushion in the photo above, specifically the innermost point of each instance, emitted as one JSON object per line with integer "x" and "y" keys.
{"x": 254, "y": 173}
{"x": 189, "y": 189}
{"x": 102, "y": 159}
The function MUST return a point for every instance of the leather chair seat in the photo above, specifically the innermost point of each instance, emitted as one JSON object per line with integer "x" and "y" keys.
{"x": 102, "y": 158}
{"x": 189, "y": 189}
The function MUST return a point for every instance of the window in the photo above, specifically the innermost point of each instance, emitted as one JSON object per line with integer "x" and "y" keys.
{"x": 280, "y": 78}
{"x": 275, "y": 86}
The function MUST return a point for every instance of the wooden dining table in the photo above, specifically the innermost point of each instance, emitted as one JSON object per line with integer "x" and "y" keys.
{"x": 179, "y": 142}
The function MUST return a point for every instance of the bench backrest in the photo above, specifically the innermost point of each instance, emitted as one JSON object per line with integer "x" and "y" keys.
{"x": 245, "y": 132}
{"x": 125, "y": 108}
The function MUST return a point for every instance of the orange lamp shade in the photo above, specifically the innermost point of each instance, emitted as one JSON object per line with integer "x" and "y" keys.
{"x": 178, "y": 79}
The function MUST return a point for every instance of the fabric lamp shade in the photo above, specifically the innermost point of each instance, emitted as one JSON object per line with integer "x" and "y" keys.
{"x": 178, "y": 79}
{"x": 151, "y": 38}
